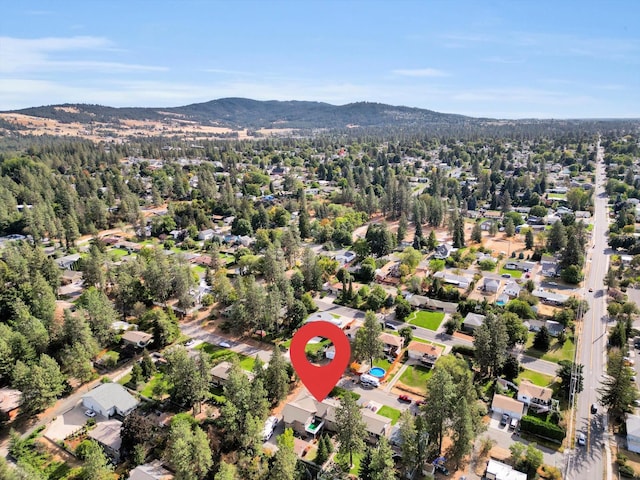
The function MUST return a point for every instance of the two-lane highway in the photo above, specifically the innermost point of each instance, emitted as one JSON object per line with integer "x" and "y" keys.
{"x": 588, "y": 461}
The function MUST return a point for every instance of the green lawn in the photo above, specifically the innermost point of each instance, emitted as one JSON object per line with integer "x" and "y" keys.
{"x": 424, "y": 319}
{"x": 228, "y": 259}
{"x": 555, "y": 352}
{"x": 416, "y": 376}
{"x": 557, "y": 196}
{"x": 390, "y": 412}
{"x": 219, "y": 354}
{"x": 124, "y": 380}
{"x": 117, "y": 253}
{"x": 199, "y": 269}
{"x": 416, "y": 339}
{"x": 314, "y": 348}
{"x": 382, "y": 363}
{"x": 513, "y": 273}
{"x": 158, "y": 377}
{"x": 356, "y": 462}
{"x": 536, "y": 378}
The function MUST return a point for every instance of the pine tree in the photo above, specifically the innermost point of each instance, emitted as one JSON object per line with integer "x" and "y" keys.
{"x": 476, "y": 233}
{"x": 528, "y": 239}
{"x": 366, "y": 472}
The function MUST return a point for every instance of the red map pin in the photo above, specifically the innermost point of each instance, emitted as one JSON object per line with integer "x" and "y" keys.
{"x": 319, "y": 380}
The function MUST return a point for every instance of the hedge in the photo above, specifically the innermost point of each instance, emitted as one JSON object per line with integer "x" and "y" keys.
{"x": 464, "y": 350}
{"x": 541, "y": 428}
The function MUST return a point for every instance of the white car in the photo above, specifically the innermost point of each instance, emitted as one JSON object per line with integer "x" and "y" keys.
{"x": 190, "y": 343}
{"x": 90, "y": 413}
{"x": 224, "y": 345}
{"x": 269, "y": 427}
{"x": 582, "y": 439}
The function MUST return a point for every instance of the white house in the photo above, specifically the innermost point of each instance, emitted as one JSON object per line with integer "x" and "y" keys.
{"x": 327, "y": 317}
{"x": 491, "y": 285}
{"x": 503, "y": 404}
{"x": 533, "y": 394}
{"x": 110, "y": 399}
{"x": 151, "y": 471}
{"x": 501, "y": 471}
{"x": 633, "y": 433}
{"x": 512, "y": 289}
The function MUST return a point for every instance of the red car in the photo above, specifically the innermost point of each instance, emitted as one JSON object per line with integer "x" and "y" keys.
{"x": 404, "y": 398}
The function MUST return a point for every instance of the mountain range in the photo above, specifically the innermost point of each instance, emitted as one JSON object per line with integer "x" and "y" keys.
{"x": 246, "y": 113}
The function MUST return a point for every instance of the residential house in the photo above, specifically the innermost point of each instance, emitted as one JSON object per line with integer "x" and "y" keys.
{"x": 421, "y": 301}
{"x": 70, "y": 277}
{"x": 136, "y": 338}
{"x": 452, "y": 279}
{"x": 533, "y": 395}
{"x": 389, "y": 273}
{"x": 485, "y": 225}
{"x": 443, "y": 251}
{"x": 220, "y": 373}
{"x": 633, "y": 433}
{"x": 151, "y": 471}
{"x": 493, "y": 214}
{"x": 472, "y": 321}
{"x": 107, "y": 434}
{"x": 519, "y": 265}
{"x": 307, "y": 416}
{"x": 68, "y": 261}
{"x": 491, "y": 285}
{"x": 550, "y": 297}
{"x": 550, "y": 266}
{"x": 345, "y": 258}
{"x": 503, "y": 404}
{"x": 501, "y": 471}
{"x": 392, "y": 344}
{"x": 110, "y": 399}
{"x": 206, "y": 234}
{"x": 426, "y": 353}
{"x": 512, "y": 289}
{"x": 376, "y": 425}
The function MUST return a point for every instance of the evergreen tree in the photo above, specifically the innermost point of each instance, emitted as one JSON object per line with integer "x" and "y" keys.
{"x": 458, "y": 232}
{"x": 352, "y": 428}
{"x": 528, "y": 239}
{"x": 226, "y": 471}
{"x": 542, "y": 340}
{"x": 402, "y": 229}
{"x": 432, "y": 241}
{"x": 382, "y": 465}
{"x": 476, "y": 233}
{"x": 284, "y": 465}
{"x": 367, "y": 344}
{"x": 277, "y": 377}
{"x": 366, "y": 471}
{"x": 557, "y": 238}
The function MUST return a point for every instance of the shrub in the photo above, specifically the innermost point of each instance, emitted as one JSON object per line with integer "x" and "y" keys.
{"x": 541, "y": 428}
{"x": 464, "y": 350}
{"x": 626, "y": 471}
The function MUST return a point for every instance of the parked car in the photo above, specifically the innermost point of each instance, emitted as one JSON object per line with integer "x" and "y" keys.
{"x": 224, "y": 345}
{"x": 594, "y": 409}
{"x": 582, "y": 439}
{"x": 513, "y": 424}
{"x": 190, "y": 343}
{"x": 390, "y": 326}
{"x": 90, "y": 413}
{"x": 405, "y": 399}
{"x": 590, "y": 289}
{"x": 269, "y": 427}
{"x": 442, "y": 469}
{"x": 504, "y": 420}
{"x": 506, "y": 275}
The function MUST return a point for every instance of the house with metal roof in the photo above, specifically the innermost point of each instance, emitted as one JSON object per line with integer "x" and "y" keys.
{"x": 110, "y": 399}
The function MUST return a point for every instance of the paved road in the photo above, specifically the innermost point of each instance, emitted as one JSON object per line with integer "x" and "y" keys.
{"x": 589, "y": 461}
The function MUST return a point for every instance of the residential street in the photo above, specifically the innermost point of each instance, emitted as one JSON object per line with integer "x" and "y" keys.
{"x": 589, "y": 461}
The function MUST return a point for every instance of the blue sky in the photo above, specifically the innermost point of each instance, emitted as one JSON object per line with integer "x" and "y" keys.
{"x": 505, "y": 59}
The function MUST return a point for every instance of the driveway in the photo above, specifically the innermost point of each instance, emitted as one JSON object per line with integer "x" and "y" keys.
{"x": 68, "y": 423}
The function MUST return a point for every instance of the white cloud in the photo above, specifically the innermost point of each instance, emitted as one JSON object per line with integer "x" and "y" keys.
{"x": 20, "y": 55}
{"x": 420, "y": 72}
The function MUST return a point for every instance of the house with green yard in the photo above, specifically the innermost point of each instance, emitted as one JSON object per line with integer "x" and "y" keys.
{"x": 425, "y": 353}
{"x": 377, "y": 426}
{"x": 534, "y": 396}
{"x": 220, "y": 373}
{"x": 472, "y": 321}
{"x": 503, "y": 404}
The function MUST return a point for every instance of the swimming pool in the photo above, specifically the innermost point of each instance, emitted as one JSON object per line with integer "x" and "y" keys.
{"x": 377, "y": 372}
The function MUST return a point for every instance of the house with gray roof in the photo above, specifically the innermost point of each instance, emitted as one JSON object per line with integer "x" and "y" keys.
{"x": 473, "y": 321}
{"x": 107, "y": 434}
{"x": 110, "y": 399}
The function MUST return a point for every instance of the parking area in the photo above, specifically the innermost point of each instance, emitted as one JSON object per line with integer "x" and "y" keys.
{"x": 68, "y": 423}
{"x": 494, "y": 422}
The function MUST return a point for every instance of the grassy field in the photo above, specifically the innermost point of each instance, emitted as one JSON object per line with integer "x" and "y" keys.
{"x": 513, "y": 273}
{"x": 199, "y": 269}
{"x": 557, "y": 196}
{"x": 416, "y": 339}
{"x": 536, "y": 378}
{"x": 556, "y": 351}
{"x": 117, "y": 253}
{"x": 219, "y": 354}
{"x": 147, "y": 391}
{"x": 228, "y": 259}
{"x": 424, "y": 319}
{"x": 416, "y": 376}
{"x": 314, "y": 348}
{"x": 390, "y": 412}
{"x": 382, "y": 363}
